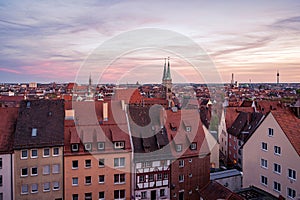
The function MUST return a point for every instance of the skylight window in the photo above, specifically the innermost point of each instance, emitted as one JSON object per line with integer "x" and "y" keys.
{"x": 34, "y": 132}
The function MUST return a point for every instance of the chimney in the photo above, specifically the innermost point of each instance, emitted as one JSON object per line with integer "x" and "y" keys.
{"x": 123, "y": 104}
{"x": 105, "y": 111}
{"x": 162, "y": 116}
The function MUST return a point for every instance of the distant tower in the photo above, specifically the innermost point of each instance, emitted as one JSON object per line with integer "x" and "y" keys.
{"x": 167, "y": 80}
{"x": 277, "y": 77}
{"x": 89, "y": 95}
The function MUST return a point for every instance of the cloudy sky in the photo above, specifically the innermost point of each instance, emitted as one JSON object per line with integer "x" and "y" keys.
{"x": 47, "y": 41}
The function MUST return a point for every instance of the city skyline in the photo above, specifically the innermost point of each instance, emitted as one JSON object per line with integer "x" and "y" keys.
{"x": 49, "y": 41}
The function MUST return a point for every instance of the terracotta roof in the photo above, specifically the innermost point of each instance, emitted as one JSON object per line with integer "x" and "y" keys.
{"x": 92, "y": 128}
{"x": 231, "y": 113}
{"x": 47, "y": 117}
{"x": 214, "y": 190}
{"x": 8, "y": 118}
{"x": 290, "y": 125}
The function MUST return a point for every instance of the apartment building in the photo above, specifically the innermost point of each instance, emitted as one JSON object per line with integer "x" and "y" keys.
{"x": 97, "y": 151}
{"x": 191, "y": 152}
{"x": 8, "y": 117}
{"x": 152, "y": 155}
{"x": 271, "y": 156}
{"x": 38, "y": 150}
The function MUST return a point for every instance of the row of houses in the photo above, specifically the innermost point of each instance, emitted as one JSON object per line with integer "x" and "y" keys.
{"x": 261, "y": 138}
{"x": 52, "y": 149}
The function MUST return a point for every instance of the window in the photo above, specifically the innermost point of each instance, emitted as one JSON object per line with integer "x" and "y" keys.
{"x": 181, "y": 178}
{"x": 264, "y": 163}
{"x": 46, "y": 169}
{"x": 87, "y": 196}
{"x": 141, "y": 179}
{"x": 190, "y": 175}
{"x": 101, "y": 195}
{"x": 119, "y": 145}
{"x": 34, "y": 153}
{"x": 75, "y": 197}
{"x": 55, "y": 185}
{"x": 277, "y": 150}
{"x": 178, "y": 147}
{"x": 271, "y": 132}
{"x": 159, "y": 177}
{"x": 88, "y": 180}
{"x": 193, "y": 146}
{"x": 120, "y": 178}
{"x": 166, "y": 176}
{"x": 74, "y": 147}
{"x": 151, "y": 177}
{"x": 188, "y": 129}
{"x": 55, "y": 151}
{"x": 55, "y": 169}
{"x": 144, "y": 195}
{"x": 146, "y": 164}
{"x": 101, "y": 162}
{"x": 119, "y": 194}
{"x": 75, "y": 181}
{"x": 292, "y": 174}
{"x": 88, "y": 163}
{"x": 277, "y": 186}
{"x": 46, "y": 187}
{"x": 24, "y": 172}
{"x": 24, "y": 189}
{"x": 24, "y": 154}
{"x": 277, "y": 168}
{"x": 34, "y": 171}
{"x": 101, "y": 178}
{"x": 87, "y": 146}
{"x": 119, "y": 162}
{"x": 1, "y": 180}
{"x": 162, "y": 192}
{"x": 101, "y": 146}
{"x": 74, "y": 164}
{"x": 34, "y": 132}
{"x": 1, "y": 196}
{"x": 46, "y": 152}
{"x": 181, "y": 163}
{"x": 264, "y": 146}
{"x": 291, "y": 193}
{"x": 0, "y": 163}
{"x": 34, "y": 188}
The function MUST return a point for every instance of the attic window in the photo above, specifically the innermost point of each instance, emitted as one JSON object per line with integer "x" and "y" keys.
{"x": 101, "y": 145}
{"x": 75, "y": 147}
{"x": 28, "y": 104}
{"x": 173, "y": 127}
{"x": 119, "y": 145}
{"x": 188, "y": 129}
{"x": 179, "y": 147}
{"x": 87, "y": 146}
{"x": 34, "y": 132}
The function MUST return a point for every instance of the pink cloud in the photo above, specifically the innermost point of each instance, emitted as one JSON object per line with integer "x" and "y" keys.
{"x": 10, "y": 70}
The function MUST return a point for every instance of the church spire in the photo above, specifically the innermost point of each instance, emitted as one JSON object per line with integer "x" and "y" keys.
{"x": 168, "y": 75}
{"x": 164, "y": 74}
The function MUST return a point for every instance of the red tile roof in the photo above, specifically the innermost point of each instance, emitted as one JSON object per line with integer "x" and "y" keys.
{"x": 290, "y": 125}
{"x": 214, "y": 190}
{"x": 8, "y": 118}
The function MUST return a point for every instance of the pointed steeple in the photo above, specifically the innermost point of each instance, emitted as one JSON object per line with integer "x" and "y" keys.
{"x": 164, "y": 74}
{"x": 168, "y": 75}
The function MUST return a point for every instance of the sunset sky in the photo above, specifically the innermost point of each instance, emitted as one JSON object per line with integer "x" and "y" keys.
{"x": 45, "y": 41}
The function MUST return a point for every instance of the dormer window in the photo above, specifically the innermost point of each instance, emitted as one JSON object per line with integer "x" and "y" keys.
{"x": 87, "y": 146}
{"x": 178, "y": 147}
{"x": 188, "y": 129}
{"x": 101, "y": 146}
{"x": 119, "y": 145}
{"x": 74, "y": 147}
{"x": 193, "y": 146}
{"x": 34, "y": 132}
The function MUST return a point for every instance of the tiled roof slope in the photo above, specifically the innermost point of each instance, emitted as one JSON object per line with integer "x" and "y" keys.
{"x": 215, "y": 190}
{"x": 8, "y": 118}
{"x": 290, "y": 125}
{"x": 47, "y": 116}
